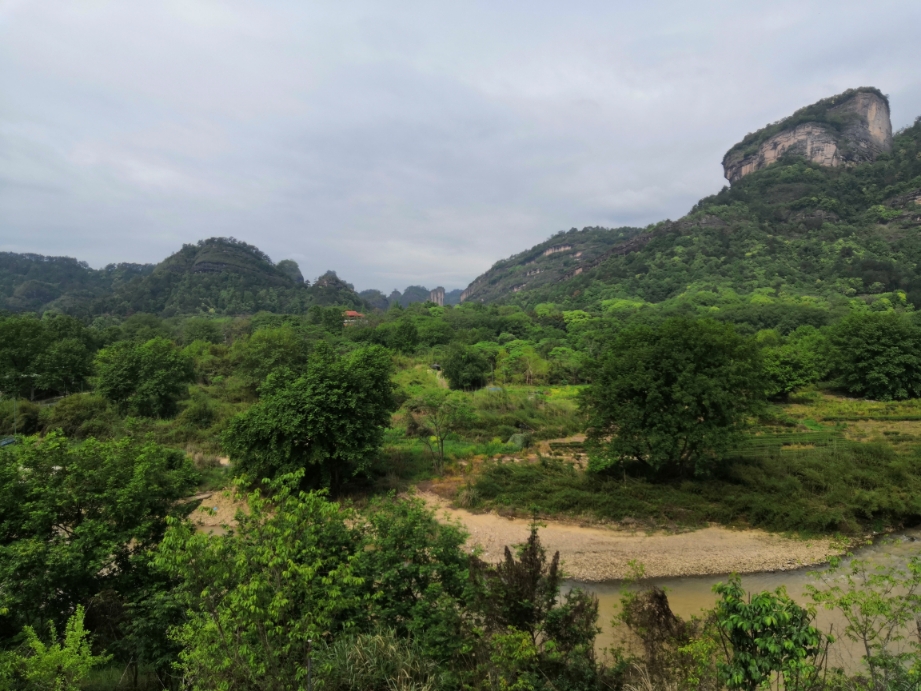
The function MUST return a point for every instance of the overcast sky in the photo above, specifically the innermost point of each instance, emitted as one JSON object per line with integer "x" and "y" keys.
{"x": 401, "y": 142}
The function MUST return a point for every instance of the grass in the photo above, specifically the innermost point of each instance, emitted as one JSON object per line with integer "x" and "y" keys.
{"x": 834, "y": 489}
{"x": 115, "y": 677}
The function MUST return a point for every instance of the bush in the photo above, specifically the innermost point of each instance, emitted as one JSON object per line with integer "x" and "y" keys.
{"x": 465, "y": 368}
{"x": 81, "y": 416}
{"x": 21, "y": 418}
{"x": 147, "y": 379}
{"x": 376, "y": 662}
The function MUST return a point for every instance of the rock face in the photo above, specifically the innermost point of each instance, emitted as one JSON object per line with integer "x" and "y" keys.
{"x": 438, "y": 296}
{"x": 847, "y": 129}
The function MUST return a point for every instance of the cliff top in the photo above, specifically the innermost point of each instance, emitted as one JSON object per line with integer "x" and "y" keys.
{"x": 818, "y": 112}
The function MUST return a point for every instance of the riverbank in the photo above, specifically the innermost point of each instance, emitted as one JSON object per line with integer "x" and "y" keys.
{"x": 599, "y": 553}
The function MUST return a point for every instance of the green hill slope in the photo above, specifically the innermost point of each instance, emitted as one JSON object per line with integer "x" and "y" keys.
{"x": 566, "y": 254}
{"x": 792, "y": 232}
{"x": 225, "y": 276}
{"x": 36, "y": 283}
{"x": 218, "y": 275}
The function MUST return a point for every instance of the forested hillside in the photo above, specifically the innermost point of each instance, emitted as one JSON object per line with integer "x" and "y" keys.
{"x": 794, "y": 232}
{"x": 214, "y": 276}
{"x": 35, "y": 283}
{"x": 564, "y": 255}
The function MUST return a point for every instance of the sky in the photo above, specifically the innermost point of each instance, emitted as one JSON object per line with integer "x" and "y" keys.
{"x": 401, "y": 143}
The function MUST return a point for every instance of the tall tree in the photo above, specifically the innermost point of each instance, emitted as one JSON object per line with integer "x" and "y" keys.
{"x": 328, "y": 422}
{"x": 144, "y": 378}
{"x": 74, "y": 519}
{"x": 674, "y": 397}
{"x": 878, "y": 355}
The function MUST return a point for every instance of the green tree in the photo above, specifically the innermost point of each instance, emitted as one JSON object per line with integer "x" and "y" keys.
{"x": 878, "y": 355}
{"x": 57, "y": 665}
{"x": 256, "y": 596}
{"x": 269, "y": 350}
{"x": 64, "y": 367}
{"x": 74, "y": 519}
{"x": 329, "y": 421}
{"x": 536, "y": 639}
{"x": 22, "y": 340}
{"x": 404, "y": 337}
{"x": 674, "y": 397}
{"x": 880, "y": 604}
{"x": 147, "y": 378}
{"x": 416, "y": 570}
{"x": 520, "y": 362}
{"x": 439, "y": 414}
{"x": 201, "y": 329}
{"x": 465, "y": 368}
{"x": 766, "y": 634}
{"x": 794, "y": 362}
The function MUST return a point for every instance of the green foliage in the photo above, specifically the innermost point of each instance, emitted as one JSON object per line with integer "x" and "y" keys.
{"x": 793, "y": 362}
{"x": 538, "y": 639}
{"x": 417, "y": 571}
{"x": 768, "y": 633}
{"x": 57, "y": 665}
{"x": 440, "y": 413}
{"x": 74, "y": 519}
{"x": 878, "y": 355}
{"x": 375, "y": 662}
{"x": 328, "y": 422}
{"x": 81, "y": 416}
{"x": 201, "y": 329}
{"x": 256, "y": 596}
{"x": 52, "y": 355}
{"x": 673, "y": 397}
{"x": 19, "y": 417}
{"x": 465, "y": 368}
{"x": 404, "y": 337}
{"x": 268, "y": 350}
{"x": 843, "y": 488}
{"x": 144, "y": 378}
{"x": 879, "y": 602}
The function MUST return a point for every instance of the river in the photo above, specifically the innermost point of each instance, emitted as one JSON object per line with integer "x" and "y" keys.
{"x": 689, "y": 595}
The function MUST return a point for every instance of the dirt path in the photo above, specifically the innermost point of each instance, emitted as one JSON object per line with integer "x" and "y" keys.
{"x": 602, "y": 554}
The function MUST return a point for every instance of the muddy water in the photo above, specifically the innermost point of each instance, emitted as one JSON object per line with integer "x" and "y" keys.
{"x": 689, "y": 595}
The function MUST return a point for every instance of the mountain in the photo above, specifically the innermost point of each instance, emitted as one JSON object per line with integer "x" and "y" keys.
{"x": 564, "y": 255}
{"x": 852, "y": 127}
{"x": 36, "y": 283}
{"x": 218, "y": 275}
{"x": 378, "y": 300}
{"x": 795, "y": 229}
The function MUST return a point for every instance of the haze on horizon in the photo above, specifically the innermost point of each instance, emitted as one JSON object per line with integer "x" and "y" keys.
{"x": 412, "y": 144}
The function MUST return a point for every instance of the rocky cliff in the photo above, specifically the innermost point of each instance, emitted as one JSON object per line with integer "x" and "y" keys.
{"x": 850, "y": 128}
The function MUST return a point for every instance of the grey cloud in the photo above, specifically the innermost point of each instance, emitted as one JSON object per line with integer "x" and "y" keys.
{"x": 416, "y": 144}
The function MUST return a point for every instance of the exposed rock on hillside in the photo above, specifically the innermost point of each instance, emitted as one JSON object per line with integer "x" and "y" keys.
{"x": 563, "y": 256}
{"x": 846, "y": 129}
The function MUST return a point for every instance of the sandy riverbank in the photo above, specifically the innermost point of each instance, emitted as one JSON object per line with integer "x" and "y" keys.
{"x": 598, "y": 553}
{"x": 602, "y": 554}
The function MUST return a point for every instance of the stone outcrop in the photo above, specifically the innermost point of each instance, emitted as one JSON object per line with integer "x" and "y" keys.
{"x": 437, "y": 296}
{"x": 847, "y": 129}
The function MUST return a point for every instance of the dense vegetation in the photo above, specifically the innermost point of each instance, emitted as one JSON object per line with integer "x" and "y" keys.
{"x": 714, "y": 364}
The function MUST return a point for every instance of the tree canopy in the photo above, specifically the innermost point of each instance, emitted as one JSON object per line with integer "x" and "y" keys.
{"x": 329, "y": 421}
{"x": 673, "y": 397}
